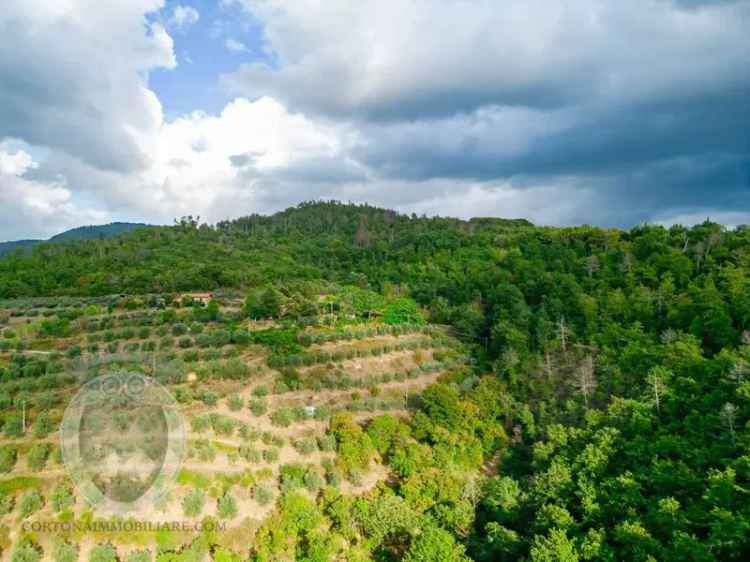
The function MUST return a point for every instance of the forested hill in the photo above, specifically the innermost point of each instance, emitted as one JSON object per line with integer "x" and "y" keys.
{"x": 605, "y": 412}
{"x": 81, "y": 233}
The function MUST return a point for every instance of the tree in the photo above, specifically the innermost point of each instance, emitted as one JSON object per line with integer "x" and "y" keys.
{"x": 227, "y": 507}
{"x": 554, "y": 547}
{"x": 658, "y": 378}
{"x": 585, "y": 379}
{"x": 728, "y": 417}
{"x": 435, "y": 544}
{"x": 31, "y": 503}
{"x": 66, "y": 552}
{"x": 103, "y": 553}
{"x": 26, "y": 552}
{"x": 192, "y": 503}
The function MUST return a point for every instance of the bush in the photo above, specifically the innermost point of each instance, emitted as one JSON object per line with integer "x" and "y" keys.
{"x": 313, "y": 481}
{"x": 31, "y": 503}
{"x": 61, "y": 498}
{"x": 306, "y": 446}
{"x": 258, "y": 407}
{"x": 6, "y": 504}
{"x": 179, "y": 329}
{"x": 199, "y": 424}
{"x": 192, "y": 504}
{"x": 234, "y": 369}
{"x": 26, "y": 552}
{"x": 142, "y": 555}
{"x": 66, "y": 552}
{"x": 208, "y": 398}
{"x": 184, "y": 395}
{"x": 260, "y": 391}
{"x": 250, "y": 454}
{"x": 271, "y": 455}
{"x": 185, "y": 342}
{"x": 263, "y": 495}
{"x": 103, "y": 553}
{"x": 37, "y": 457}
{"x": 327, "y": 443}
{"x": 235, "y": 402}
{"x": 205, "y": 451}
{"x": 8, "y": 457}
{"x": 43, "y": 426}
{"x": 282, "y": 417}
{"x": 227, "y": 507}
{"x": 223, "y": 425}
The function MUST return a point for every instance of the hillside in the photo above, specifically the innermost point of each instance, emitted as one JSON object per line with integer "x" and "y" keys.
{"x": 74, "y": 234}
{"x": 365, "y": 385}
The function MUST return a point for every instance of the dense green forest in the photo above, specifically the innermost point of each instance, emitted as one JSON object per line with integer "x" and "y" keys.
{"x": 604, "y": 415}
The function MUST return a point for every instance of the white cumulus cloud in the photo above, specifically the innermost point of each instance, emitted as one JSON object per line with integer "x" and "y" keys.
{"x": 184, "y": 16}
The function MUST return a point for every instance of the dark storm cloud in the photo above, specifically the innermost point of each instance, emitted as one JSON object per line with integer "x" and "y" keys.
{"x": 643, "y": 103}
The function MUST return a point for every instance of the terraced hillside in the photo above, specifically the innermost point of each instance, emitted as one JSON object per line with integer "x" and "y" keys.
{"x": 272, "y": 408}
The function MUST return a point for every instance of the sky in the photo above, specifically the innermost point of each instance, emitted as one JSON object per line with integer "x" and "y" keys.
{"x": 589, "y": 111}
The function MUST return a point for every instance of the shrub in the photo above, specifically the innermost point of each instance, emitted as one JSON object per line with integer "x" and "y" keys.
{"x": 250, "y": 454}
{"x": 235, "y": 402}
{"x": 61, "y": 498}
{"x": 306, "y": 446}
{"x": 205, "y": 451}
{"x": 6, "y": 503}
{"x": 327, "y": 443}
{"x": 103, "y": 553}
{"x": 8, "y": 457}
{"x": 179, "y": 329}
{"x": 142, "y": 555}
{"x": 66, "y": 552}
{"x": 199, "y": 424}
{"x": 203, "y": 340}
{"x": 223, "y": 425}
{"x": 292, "y": 476}
{"x": 227, "y": 507}
{"x": 31, "y": 503}
{"x": 26, "y": 552}
{"x": 192, "y": 503}
{"x": 260, "y": 391}
{"x": 37, "y": 457}
{"x": 271, "y": 455}
{"x": 258, "y": 407}
{"x": 234, "y": 369}
{"x": 184, "y": 395}
{"x": 208, "y": 398}
{"x": 43, "y": 425}
{"x": 263, "y": 495}
{"x": 185, "y": 342}
{"x": 313, "y": 481}
{"x": 282, "y": 417}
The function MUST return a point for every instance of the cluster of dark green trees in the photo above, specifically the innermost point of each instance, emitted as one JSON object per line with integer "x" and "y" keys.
{"x": 607, "y": 405}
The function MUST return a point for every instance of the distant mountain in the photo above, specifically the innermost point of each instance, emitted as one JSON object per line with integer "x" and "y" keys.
{"x": 81, "y": 233}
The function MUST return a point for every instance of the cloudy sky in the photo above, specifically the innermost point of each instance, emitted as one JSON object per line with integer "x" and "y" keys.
{"x": 598, "y": 111}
